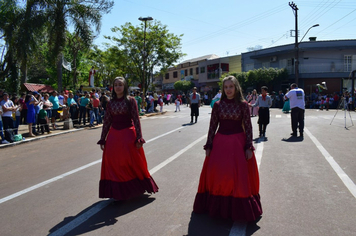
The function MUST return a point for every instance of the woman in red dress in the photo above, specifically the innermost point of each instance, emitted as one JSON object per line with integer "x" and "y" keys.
{"x": 124, "y": 172}
{"x": 229, "y": 181}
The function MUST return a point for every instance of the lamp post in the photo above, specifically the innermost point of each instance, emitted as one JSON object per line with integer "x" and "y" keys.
{"x": 296, "y": 62}
{"x": 144, "y": 56}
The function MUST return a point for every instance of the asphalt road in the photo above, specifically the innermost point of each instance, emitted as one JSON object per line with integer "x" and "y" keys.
{"x": 50, "y": 186}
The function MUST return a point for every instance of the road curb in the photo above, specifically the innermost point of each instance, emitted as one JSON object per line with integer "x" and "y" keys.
{"x": 64, "y": 132}
{"x": 39, "y": 137}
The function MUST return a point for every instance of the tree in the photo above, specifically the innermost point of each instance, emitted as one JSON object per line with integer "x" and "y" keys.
{"x": 162, "y": 49}
{"x": 183, "y": 85}
{"x": 82, "y": 14}
{"x": 9, "y": 16}
{"x": 259, "y": 77}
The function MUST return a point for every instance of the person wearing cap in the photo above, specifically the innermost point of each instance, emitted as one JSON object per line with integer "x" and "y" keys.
{"x": 194, "y": 103}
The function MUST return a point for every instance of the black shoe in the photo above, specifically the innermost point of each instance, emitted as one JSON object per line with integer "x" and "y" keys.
{"x": 301, "y": 135}
{"x": 293, "y": 134}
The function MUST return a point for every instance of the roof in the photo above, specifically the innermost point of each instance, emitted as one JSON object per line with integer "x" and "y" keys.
{"x": 207, "y": 57}
{"x": 38, "y": 87}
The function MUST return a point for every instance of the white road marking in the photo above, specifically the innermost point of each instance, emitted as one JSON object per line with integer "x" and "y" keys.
{"x": 82, "y": 218}
{"x": 12, "y": 196}
{"x": 172, "y": 158}
{"x": 278, "y": 116}
{"x": 342, "y": 175}
{"x": 239, "y": 229}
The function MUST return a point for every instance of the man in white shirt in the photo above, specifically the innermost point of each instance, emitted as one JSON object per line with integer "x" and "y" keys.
{"x": 7, "y": 108}
{"x": 297, "y": 104}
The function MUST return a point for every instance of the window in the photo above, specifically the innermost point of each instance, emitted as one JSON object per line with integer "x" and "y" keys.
{"x": 202, "y": 69}
{"x": 175, "y": 74}
{"x": 191, "y": 71}
{"x": 347, "y": 63}
{"x": 167, "y": 75}
{"x": 197, "y": 70}
{"x": 265, "y": 64}
{"x": 186, "y": 72}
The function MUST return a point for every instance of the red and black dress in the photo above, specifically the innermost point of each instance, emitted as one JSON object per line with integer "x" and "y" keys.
{"x": 229, "y": 184}
{"x": 124, "y": 172}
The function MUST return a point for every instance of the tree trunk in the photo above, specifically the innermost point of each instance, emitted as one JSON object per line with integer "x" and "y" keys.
{"x": 23, "y": 71}
{"x": 59, "y": 72}
{"x": 74, "y": 70}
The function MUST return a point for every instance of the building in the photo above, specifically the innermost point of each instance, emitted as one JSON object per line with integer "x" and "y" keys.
{"x": 319, "y": 61}
{"x": 204, "y": 72}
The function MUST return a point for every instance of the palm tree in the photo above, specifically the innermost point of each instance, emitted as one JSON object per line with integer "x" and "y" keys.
{"x": 79, "y": 13}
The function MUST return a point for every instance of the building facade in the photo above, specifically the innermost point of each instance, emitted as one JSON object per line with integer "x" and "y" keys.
{"x": 319, "y": 61}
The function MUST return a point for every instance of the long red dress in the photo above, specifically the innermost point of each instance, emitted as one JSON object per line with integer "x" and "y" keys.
{"x": 229, "y": 184}
{"x": 124, "y": 172}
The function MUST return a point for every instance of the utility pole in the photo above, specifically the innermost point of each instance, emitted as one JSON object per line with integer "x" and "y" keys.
{"x": 296, "y": 44}
{"x": 144, "y": 54}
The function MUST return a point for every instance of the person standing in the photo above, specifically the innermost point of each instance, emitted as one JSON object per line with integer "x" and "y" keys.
{"x": 124, "y": 172}
{"x": 194, "y": 102}
{"x": 296, "y": 98}
{"x": 83, "y": 102}
{"x": 264, "y": 102}
{"x": 7, "y": 108}
{"x": 55, "y": 106}
{"x": 31, "y": 102}
{"x": 177, "y": 102}
{"x": 253, "y": 99}
{"x": 229, "y": 181}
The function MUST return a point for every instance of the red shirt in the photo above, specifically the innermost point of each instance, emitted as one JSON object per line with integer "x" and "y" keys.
{"x": 96, "y": 102}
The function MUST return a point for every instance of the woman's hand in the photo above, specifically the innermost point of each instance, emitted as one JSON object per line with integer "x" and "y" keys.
{"x": 102, "y": 146}
{"x": 248, "y": 154}
{"x": 139, "y": 145}
{"x": 207, "y": 152}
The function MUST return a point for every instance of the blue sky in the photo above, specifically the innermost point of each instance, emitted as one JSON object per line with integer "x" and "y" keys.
{"x": 229, "y": 27}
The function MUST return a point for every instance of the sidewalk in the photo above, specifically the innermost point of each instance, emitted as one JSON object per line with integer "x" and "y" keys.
{"x": 23, "y": 130}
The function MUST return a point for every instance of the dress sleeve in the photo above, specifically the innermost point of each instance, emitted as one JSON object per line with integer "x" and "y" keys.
{"x": 107, "y": 124}
{"x": 136, "y": 121}
{"x": 214, "y": 122}
{"x": 248, "y": 125}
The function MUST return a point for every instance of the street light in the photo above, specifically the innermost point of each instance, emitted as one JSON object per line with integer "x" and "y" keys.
{"x": 296, "y": 63}
{"x": 144, "y": 56}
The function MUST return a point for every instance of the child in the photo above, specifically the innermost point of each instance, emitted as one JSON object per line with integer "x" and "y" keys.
{"x": 43, "y": 119}
{"x": 177, "y": 102}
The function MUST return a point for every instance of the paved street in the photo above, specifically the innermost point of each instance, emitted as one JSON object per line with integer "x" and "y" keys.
{"x": 50, "y": 186}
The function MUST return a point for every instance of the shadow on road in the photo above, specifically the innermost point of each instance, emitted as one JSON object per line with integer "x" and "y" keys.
{"x": 201, "y": 224}
{"x": 293, "y": 139}
{"x": 188, "y": 124}
{"x": 105, "y": 217}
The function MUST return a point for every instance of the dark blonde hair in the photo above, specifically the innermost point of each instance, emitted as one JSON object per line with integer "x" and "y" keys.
{"x": 238, "y": 91}
{"x": 126, "y": 87}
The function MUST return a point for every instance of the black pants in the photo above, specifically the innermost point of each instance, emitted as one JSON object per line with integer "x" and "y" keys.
{"x": 44, "y": 125}
{"x": 194, "y": 111}
{"x": 297, "y": 117}
{"x": 263, "y": 119}
{"x": 8, "y": 123}
{"x": 82, "y": 111}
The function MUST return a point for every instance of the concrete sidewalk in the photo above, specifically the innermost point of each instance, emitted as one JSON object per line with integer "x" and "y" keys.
{"x": 23, "y": 130}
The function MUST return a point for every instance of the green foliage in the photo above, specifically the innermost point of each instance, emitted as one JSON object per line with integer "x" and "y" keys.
{"x": 156, "y": 46}
{"x": 258, "y": 77}
{"x": 183, "y": 85}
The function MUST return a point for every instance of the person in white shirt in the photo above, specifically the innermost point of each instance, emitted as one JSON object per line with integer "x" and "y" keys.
{"x": 296, "y": 98}
{"x": 7, "y": 108}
